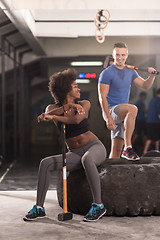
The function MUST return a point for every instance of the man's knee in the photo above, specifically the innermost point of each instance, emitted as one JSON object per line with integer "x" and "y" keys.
{"x": 133, "y": 111}
{"x": 127, "y": 110}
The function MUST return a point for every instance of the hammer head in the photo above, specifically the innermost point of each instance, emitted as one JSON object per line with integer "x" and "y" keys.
{"x": 108, "y": 61}
{"x": 65, "y": 216}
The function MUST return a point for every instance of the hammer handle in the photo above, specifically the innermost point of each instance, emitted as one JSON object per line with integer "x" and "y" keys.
{"x": 64, "y": 169}
{"x": 140, "y": 69}
{"x": 145, "y": 70}
{"x": 136, "y": 68}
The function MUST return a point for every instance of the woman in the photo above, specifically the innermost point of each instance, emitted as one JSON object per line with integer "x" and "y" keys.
{"x": 84, "y": 148}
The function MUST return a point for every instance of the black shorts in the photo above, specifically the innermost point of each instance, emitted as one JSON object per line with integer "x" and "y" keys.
{"x": 153, "y": 131}
{"x": 141, "y": 127}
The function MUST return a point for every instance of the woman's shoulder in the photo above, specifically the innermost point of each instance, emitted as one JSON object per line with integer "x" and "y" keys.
{"x": 50, "y": 107}
{"x": 83, "y": 102}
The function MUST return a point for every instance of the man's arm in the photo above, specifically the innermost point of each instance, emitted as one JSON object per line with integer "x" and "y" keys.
{"x": 103, "y": 90}
{"x": 145, "y": 83}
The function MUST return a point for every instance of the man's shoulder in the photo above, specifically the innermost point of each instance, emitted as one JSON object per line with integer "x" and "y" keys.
{"x": 108, "y": 70}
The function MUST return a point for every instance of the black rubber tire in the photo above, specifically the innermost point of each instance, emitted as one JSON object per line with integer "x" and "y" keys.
{"x": 152, "y": 153}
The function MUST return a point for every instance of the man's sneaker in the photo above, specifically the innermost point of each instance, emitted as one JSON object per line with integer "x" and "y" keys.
{"x": 95, "y": 213}
{"x": 34, "y": 213}
{"x": 130, "y": 154}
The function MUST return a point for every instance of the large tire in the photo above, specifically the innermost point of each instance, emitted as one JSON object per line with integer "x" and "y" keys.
{"x": 128, "y": 189}
{"x": 152, "y": 153}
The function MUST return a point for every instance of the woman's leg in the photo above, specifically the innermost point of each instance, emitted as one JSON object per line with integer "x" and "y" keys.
{"x": 53, "y": 163}
{"x": 92, "y": 158}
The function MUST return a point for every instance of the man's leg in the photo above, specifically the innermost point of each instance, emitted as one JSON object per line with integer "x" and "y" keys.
{"x": 128, "y": 113}
{"x": 116, "y": 147}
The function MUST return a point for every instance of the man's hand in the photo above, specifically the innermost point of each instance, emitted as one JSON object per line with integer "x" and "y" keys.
{"x": 151, "y": 70}
{"x": 110, "y": 124}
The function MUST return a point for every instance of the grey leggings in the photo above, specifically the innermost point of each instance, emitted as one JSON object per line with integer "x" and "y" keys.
{"x": 89, "y": 157}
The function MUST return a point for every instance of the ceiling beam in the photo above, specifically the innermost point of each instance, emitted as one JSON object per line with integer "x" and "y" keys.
{"x": 19, "y": 22}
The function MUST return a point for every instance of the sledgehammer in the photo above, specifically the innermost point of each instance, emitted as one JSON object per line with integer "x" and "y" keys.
{"x": 65, "y": 215}
{"x": 109, "y": 62}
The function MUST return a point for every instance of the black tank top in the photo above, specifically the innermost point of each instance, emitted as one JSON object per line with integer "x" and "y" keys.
{"x": 73, "y": 130}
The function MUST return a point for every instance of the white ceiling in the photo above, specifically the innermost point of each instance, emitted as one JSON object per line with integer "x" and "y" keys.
{"x": 62, "y": 28}
{"x": 72, "y": 19}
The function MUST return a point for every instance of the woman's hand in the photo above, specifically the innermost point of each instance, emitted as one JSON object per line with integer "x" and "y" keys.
{"x": 40, "y": 118}
{"x": 76, "y": 107}
{"x": 45, "y": 117}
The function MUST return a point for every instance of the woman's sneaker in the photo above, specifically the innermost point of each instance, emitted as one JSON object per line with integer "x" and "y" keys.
{"x": 34, "y": 213}
{"x": 130, "y": 154}
{"x": 95, "y": 213}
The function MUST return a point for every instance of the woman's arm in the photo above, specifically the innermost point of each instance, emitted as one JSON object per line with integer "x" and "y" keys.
{"x": 52, "y": 108}
{"x": 82, "y": 109}
{"x": 56, "y": 110}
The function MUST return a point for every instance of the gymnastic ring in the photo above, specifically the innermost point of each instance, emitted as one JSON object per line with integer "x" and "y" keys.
{"x": 98, "y": 15}
{"x": 98, "y": 25}
{"x": 101, "y": 38}
{"x": 104, "y": 22}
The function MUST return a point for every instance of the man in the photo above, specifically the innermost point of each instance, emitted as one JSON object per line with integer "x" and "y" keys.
{"x": 153, "y": 121}
{"x": 114, "y": 89}
{"x": 140, "y": 124}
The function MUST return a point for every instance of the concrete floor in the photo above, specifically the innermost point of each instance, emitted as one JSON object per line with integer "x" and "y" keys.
{"x": 15, "y": 204}
{"x": 18, "y": 194}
